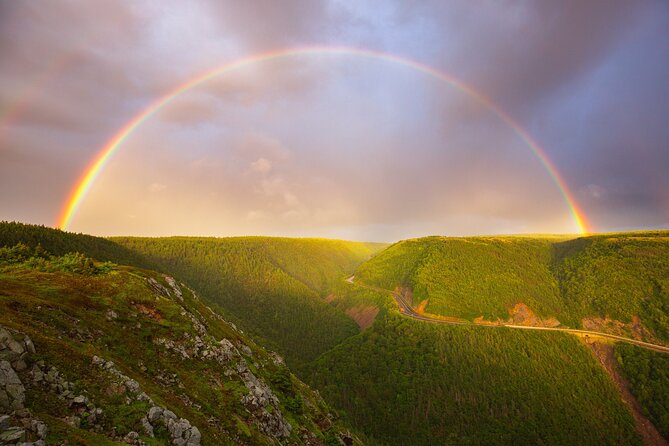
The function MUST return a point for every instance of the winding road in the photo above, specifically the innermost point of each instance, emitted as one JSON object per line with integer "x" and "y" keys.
{"x": 407, "y": 310}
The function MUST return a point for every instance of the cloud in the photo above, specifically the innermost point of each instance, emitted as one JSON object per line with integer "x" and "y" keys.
{"x": 157, "y": 187}
{"x": 261, "y": 165}
{"x": 335, "y": 145}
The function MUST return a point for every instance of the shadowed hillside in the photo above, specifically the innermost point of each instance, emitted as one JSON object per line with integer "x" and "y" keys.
{"x": 97, "y": 354}
{"x": 271, "y": 287}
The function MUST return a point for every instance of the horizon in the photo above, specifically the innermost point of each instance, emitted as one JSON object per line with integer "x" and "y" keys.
{"x": 385, "y": 242}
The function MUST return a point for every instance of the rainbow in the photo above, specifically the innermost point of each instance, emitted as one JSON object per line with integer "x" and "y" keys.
{"x": 92, "y": 172}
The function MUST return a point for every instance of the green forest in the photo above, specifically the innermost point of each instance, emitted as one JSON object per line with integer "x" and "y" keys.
{"x": 648, "y": 375}
{"x": 610, "y": 277}
{"x": 405, "y": 382}
{"x": 398, "y": 381}
{"x": 271, "y": 287}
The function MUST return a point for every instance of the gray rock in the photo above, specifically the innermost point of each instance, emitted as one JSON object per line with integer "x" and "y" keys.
{"x": 131, "y": 437}
{"x": 246, "y": 350}
{"x": 148, "y": 428}
{"x": 111, "y": 315}
{"x": 195, "y": 437}
{"x": 29, "y": 344}
{"x": 5, "y": 336}
{"x": 15, "y": 346}
{"x": 39, "y": 428}
{"x": 12, "y": 435}
{"x": 155, "y": 413}
{"x": 37, "y": 374}
{"x": 20, "y": 365}
{"x": 4, "y": 422}
{"x": 16, "y": 392}
{"x": 80, "y": 400}
{"x": 169, "y": 415}
{"x": 7, "y": 374}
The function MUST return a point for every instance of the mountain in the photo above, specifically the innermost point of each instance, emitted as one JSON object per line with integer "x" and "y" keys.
{"x": 615, "y": 283}
{"x": 271, "y": 287}
{"x": 95, "y": 353}
{"x": 332, "y": 308}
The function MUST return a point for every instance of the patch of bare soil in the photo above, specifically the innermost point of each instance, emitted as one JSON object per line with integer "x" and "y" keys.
{"x": 634, "y": 329}
{"x": 363, "y": 315}
{"x": 330, "y": 297}
{"x": 150, "y": 312}
{"x": 420, "y": 309}
{"x": 521, "y": 314}
{"x": 650, "y": 435}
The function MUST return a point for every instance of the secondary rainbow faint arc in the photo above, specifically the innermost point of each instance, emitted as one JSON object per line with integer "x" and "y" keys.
{"x": 94, "y": 169}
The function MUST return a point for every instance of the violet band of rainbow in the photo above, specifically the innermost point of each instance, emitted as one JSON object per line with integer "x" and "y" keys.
{"x": 97, "y": 165}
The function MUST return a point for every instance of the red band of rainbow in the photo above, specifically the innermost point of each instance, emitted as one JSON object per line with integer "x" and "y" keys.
{"x": 94, "y": 169}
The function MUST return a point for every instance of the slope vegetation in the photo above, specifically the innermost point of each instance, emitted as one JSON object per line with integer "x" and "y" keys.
{"x": 412, "y": 383}
{"x": 58, "y": 243}
{"x": 616, "y": 283}
{"x": 98, "y": 354}
{"x": 270, "y": 287}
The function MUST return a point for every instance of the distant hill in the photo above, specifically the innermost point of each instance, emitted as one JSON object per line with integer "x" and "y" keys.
{"x": 272, "y": 287}
{"x": 59, "y": 242}
{"x": 618, "y": 283}
{"x": 98, "y": 354}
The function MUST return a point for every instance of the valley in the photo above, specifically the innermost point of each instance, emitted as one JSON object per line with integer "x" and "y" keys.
{"x": 399, "y": 354}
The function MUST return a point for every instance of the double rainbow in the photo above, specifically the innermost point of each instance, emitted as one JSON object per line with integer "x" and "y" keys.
{"x": 92, "y": 172}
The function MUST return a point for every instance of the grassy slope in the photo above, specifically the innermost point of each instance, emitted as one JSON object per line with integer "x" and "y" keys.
{"x": 65, "y": 315}
{"x": 407, "y": 382}
{"x": 271, "y": 287}
{"x": 617, "y": 276}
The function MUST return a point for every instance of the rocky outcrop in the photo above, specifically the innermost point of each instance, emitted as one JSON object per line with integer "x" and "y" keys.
{"x": 261, "y": 402}
{"x": 124, "y": 384}
{"x": 180, "y": 431}
{"x": 17, "y": 425}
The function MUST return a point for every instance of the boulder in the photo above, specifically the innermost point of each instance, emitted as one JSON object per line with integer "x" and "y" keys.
{"x": 12, "y": 392}
{"x": 4, "y": 422}
{"x": 12, "y": 435}
{"x": 148, "y": 428}
{"x": 155, "y": 413}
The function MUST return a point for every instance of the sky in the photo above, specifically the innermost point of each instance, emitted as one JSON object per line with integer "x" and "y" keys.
{"x": 337, "y": 144}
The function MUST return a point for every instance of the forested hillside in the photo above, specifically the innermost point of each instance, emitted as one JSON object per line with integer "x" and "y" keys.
{"x": 396, "y": 380}
{"x": 98, "y": 354}
{"x": 648, "y": 375}
{"x": 406, "y": 382}
{"x": 58, "y": 243}
{"x": 271, "y": 287}
{"x": 617, "y": 283}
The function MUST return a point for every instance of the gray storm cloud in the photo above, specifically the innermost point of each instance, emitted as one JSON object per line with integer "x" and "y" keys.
{"x": 336, "y": 146}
